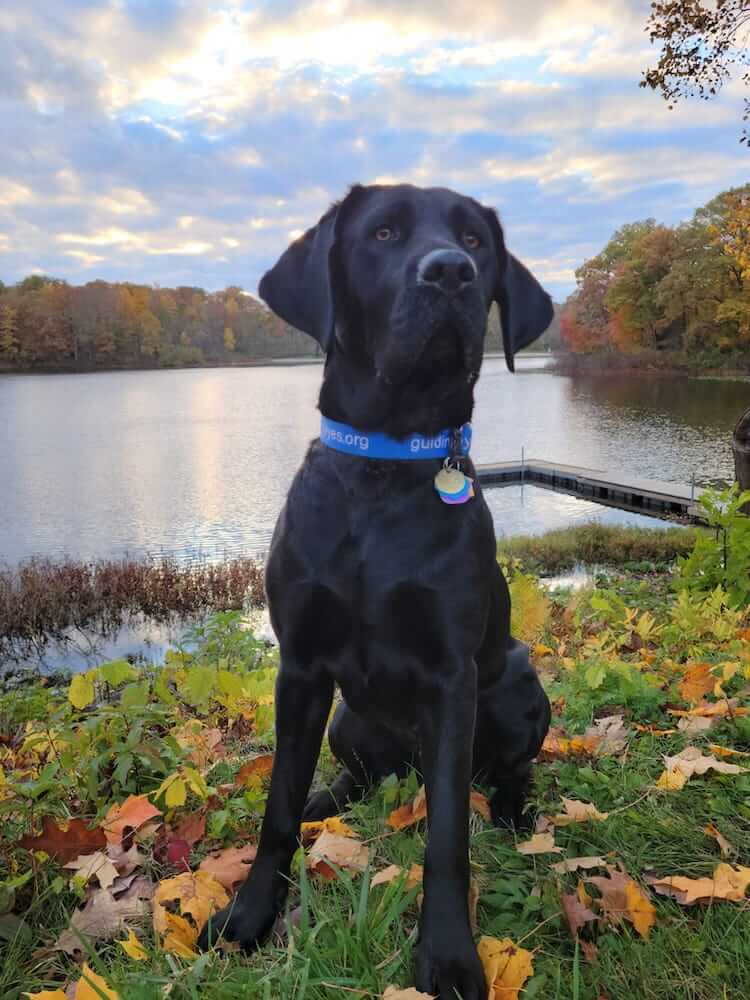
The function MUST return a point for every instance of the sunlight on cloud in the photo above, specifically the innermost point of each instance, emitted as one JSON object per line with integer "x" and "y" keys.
{"x": 106, "y": 237}
{"x": 86, "y": 259}
{"x": 12, "y": 193}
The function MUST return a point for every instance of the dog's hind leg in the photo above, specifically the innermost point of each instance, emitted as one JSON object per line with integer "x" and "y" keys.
{"x": 368, "y": 752}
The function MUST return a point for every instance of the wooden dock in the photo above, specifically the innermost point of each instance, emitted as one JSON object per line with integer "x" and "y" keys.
{"x": 647, "y": 496}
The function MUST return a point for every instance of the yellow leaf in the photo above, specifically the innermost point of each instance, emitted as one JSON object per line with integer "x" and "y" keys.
{"x": 506, "y": 967}
{"x": 133, "y": 947}
{"x": 180, "y": 937}
{"x": 93, "y": 987}
{"x": 333, "y": 824}
{"x": 81, "y": 691}
{"x": 577, "y": 812}
{"x": 196, "y": 781}
{"x": 47, "y": 995}
{"x": 726, "y": 883}
{"x": 395, "y": 993}
{"x": 176, "y": 794}
{"x": 392, "y": 872}
{"x": 641, "y": 910}
{"x": 718, "y": 836}
{"x": 540, "y": 843}
{"x": 199, "y": 896}
{"x": 541, "y": 650}
{"x": 671, "y": 781}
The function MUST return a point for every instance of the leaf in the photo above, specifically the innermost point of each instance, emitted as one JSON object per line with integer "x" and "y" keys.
{"x": 411, "y": 813}
{"x": 93, "y": 987}
{"x": 178, "y": 854}
{"x": 623, "y": 899}
{"x": 540, "y": 843}
{"x": 396, "y": 993}
{"x": 332, "y": 849}
{"x": 47, "y": 995}
{"x": 698, "y": 681}
{"x": 82, "y": 691}
{"x": 653, "y": 731}
{"x": 577, "y": 812}
{"x": 310, "y": 832}
{"x": 198, "y": 895}
{"x": 252, "y": 774}
{"x": 578, "y": 864}
{"x": 231, "y": 866}
{"x": 133, "y": 947}
{"x": 134, "y": 812}
{"x": 174, "y": 790}
{"x": 413, "y": 877}
{"x": 576, "y": 913}
{"x": 506, "y": 967}
{"x": 610, "y": 733}
{"x": 64, "y": 843}
{"x": 104, "y": 916}
{"x": 695, "y": 724}
{"x": 671, "y": 781}
{"x": 726, "y": 883}
{"x": 691, "y": 761}
{"x": 726, "y": 751}
{"x": 97, "y": 866}
{"x": 721, "y": 840}
{"x": 116, "y": 672}
{"x": 557, "y": 745}
{"x": 191, "y": 827}
{"x": 479, "y": 803}
{"x": 727, "y": 707}
{"x": 199, "y": 685}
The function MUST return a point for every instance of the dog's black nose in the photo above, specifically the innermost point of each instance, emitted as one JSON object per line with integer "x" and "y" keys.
{"x": 448, "y": 270}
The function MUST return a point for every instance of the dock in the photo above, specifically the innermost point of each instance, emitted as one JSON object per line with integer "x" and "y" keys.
{"x": 647, "y": 496}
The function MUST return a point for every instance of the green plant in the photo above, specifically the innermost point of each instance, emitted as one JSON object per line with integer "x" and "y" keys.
{"x": 721, "y": 558}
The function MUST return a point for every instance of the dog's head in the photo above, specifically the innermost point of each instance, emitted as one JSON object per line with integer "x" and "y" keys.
{"x": 400, "y": 279}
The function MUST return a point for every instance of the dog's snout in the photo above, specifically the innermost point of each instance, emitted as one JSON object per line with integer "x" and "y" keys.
{"x": 448, "y": 270}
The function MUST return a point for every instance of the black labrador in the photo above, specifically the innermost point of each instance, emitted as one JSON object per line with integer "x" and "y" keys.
{"x": 374, "y": 583}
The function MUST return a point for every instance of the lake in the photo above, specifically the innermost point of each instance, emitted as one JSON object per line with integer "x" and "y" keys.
{"x": 197, "y": 462}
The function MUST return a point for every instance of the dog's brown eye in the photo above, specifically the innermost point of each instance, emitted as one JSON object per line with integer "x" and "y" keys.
{"x": 471, "y": 241}
{"x": 383, "y": 233}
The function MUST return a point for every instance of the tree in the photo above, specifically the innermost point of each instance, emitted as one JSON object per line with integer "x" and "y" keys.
{"x": 702, "y": 45}
{"x": 8, "y": 330}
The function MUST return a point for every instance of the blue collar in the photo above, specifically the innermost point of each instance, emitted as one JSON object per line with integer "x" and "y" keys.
{"x": 372, "y": 444}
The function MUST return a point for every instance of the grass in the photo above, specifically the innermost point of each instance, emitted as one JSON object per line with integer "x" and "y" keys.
{"x": 599, "y": 545}
{"x": 351, "y": 941}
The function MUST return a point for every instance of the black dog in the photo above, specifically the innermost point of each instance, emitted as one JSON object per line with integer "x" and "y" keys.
{"x": 377, "y": 585}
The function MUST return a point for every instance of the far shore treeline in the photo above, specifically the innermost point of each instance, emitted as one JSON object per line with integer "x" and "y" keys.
{"x": 677, "y": 294}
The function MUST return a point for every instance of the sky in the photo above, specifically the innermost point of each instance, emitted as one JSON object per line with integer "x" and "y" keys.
{"x": 186, "y": 142}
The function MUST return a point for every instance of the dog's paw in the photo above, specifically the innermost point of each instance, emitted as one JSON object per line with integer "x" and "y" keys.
{"x": 321, "y": 805}
{"x": 448, "y": 967}
{"x": 237, "y": 922}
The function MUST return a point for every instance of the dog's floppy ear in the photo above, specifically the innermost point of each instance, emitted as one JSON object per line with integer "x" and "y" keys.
{"x": 525, "y": 308}
{"x": 299, "y": 287}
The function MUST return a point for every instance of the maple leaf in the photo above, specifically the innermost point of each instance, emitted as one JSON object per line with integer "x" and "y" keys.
{"x": 57, "y": 994}
{"x": 413, "y": 877}
{"x": 66, "y": 842}
{"x": 557, "y": 745}
{"x": 611, "y": 735}
{"x": 726, "y": 883}
{"x": 623, "y": 899}
{"x": 82, "y": 691}
{"x": 252, "y": 774}
{"x": 671, "y": 781}
{"x": 689, "y": 762}
{"x": 578, "y": 864}
{"x": 576, "y": 913}
{"x": 344, "y": 852}
{"x": 696, "y": 724}
{"x": 133, "y": 947}
{"x": 721, "y": 840}
{"x": 198, "y": 895}
{"x": 178, "y": 854}
{"x": 411, "y": 813}
{"x": 506, "y": 967}
{"x": 577, "y": 812}
{"x": 653, "y": 731}
{"x": 134, "y": 812}
{"x": 191, "y": 827}
{"x": 727, "y": 707}
{"x": 97, "y": 866}
{"x": 231, "y": 866}
{"x": 540, "y": 843}
{"x": 479, "y": 803}
{"x": 105, "y": 915}
{"x": 698, "y": 681}
{"x": 333, "y": 824}
{"x": 92, "y": 986}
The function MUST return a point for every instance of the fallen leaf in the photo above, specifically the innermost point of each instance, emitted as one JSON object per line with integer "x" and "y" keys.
{"x": 411, "y": 813}
{"x": 65, "y": 842}
{"x": 695, "y": 724}
{"x": 623, "y": 899}
{"x": 611, "y": 733}
{"x": 557, "y": 745}
{"x": 252, "y": 774}
{"x": 133, "y": 947}
{"x": 726, "y": 883}
{"x": 698, "y": 681}
{"x": 344, "y": 852}
{"x": 47, "y": 995}
{"x": 479, "y": 803}
{"x": 413, "y": 878}
{"x": 577, "y": 812}
{"x": 578, "y": 864}
{"x": 721, "y": 840}
{"x": 231, "y": 866}
{"x": 125, "y": 861}
{"x": 576, "y": 914}
{"x": 727, "y": 707}
{"x": 93, "y": 987}
{"x": 591, "y": 954}
{"x": 506, "y": 967}
{"x": 105, "y": 916}
{"x": 691, "y": 761}
{"x": 97, "y": 866}
{"x": 726, "y": 751}
{"x": 540, "y": 843}
{"x": 198, "y": 895}
{"x": 333, "y": 824}
{"x": 178, "y": 854}
{"x": 131, "y": 815}
{"x": 652, "y": 731}
{"x": 191, "y": 827}
{"x": 671, "y": 781}
{"x": 396, "y": 993}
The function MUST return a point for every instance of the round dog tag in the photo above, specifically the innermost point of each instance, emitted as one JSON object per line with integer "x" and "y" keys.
{"x": 450, "y": 481}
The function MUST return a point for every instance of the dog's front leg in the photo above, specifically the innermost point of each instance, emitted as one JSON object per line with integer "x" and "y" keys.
{"x": 447, "y": 961}
{"x": 303, "y": 701}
